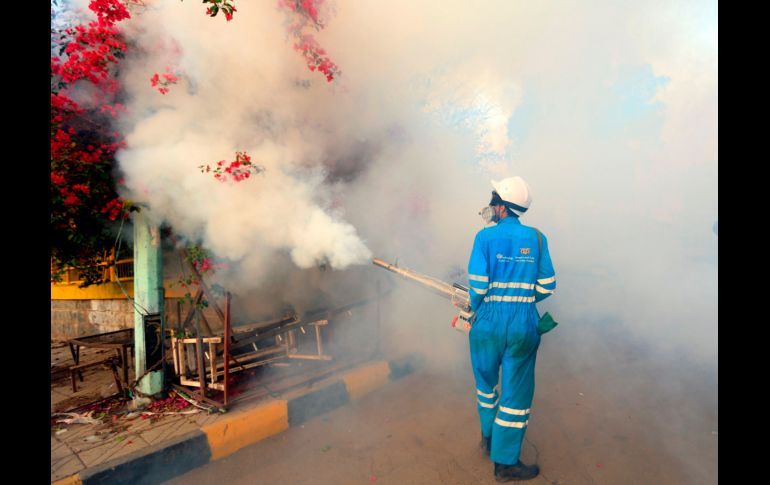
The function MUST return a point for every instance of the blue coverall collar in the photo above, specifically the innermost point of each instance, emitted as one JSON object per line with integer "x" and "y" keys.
{"x": 509, "y": 220}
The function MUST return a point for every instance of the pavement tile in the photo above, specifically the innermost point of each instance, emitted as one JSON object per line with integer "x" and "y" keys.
{"x": 96, "y": 454}
{"x": 182, "y": 428}
{"x": 128, "y": 445}
{"x": 139, "y": 425}
{"x": 85, "y": 395}
{"x": 59, "y": 451}
{"x": 65, "y": 468}
{"x": 203, "y": 418}
{"x": 97, "y": 438}
{"x": 75, "y": 433}
{"x": 160, "y": 432}
{"x": 59, "y": 393}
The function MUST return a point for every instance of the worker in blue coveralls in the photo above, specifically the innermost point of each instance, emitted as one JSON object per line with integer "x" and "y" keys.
{"x": 509, "y": 271}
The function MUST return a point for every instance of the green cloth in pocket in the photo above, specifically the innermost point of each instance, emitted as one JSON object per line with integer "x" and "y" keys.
{"x": 546, "y": 324}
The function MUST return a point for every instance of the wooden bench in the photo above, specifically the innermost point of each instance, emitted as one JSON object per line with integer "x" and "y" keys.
{"x": 110, "y": 363}
{"x": 120, "y": 340}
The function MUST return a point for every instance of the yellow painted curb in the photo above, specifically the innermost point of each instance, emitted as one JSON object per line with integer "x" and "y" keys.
{"x": 233, "y": 432}
{"x": 361, "y": 381}
{"x": 72, "y": 480}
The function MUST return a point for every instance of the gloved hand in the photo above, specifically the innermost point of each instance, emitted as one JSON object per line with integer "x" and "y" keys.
{"x": 463, "y": 321}
{"x": 546, "y": 324}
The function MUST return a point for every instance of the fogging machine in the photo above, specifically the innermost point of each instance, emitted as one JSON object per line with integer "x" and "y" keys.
{"x": 457, "y": 294}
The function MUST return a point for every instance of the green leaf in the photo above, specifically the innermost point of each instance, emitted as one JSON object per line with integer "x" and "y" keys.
{"x": 214, "y": 11}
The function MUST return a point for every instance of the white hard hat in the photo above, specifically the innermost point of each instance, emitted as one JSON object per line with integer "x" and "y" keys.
{"x": 516, "y": 192}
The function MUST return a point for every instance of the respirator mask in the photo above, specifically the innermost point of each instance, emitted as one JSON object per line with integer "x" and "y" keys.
{"x": 488, "y": 214}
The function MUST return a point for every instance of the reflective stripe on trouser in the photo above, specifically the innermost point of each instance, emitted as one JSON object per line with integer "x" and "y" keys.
{"x": 512, "y": 345}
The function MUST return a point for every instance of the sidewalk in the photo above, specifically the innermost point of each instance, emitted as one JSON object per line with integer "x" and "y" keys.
{"x": 126, "y": 448}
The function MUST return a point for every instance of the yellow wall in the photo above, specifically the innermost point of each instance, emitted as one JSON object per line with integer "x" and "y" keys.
{"x": 108, "y": 291}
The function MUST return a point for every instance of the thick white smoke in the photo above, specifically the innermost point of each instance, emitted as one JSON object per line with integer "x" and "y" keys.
{"x": 608, "y": 111}
{"x": 233, "y": 95}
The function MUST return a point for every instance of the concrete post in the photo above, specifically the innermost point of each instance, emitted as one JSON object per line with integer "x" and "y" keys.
{"x": 148, "y": 286}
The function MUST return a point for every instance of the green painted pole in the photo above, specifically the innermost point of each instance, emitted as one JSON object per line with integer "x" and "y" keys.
{"x": 148, "y": 291}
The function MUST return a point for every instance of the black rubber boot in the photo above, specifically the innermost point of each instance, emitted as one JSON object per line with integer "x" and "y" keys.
{"x": 519, "y": 471}
{"x": 485, "y": 446}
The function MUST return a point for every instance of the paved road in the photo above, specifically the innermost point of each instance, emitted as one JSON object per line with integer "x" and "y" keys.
{"x": 608, "y": 416}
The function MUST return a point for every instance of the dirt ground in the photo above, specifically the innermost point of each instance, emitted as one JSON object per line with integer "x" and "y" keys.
{"x": 606, "y": 411}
